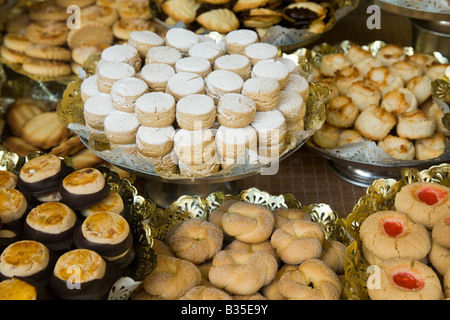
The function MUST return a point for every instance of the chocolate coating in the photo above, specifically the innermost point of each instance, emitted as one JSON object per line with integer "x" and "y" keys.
{"x": 82, "y": 201}
{"x": 91, "y": 290}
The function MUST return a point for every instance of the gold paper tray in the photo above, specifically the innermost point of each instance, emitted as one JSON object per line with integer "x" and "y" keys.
{"x": 379, "y": 196}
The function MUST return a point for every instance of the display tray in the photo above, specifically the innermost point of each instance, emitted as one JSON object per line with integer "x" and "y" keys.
{"x": 420, "y": 9}
{"x": 137, "y": 210}
{"x": 380, "y": 196}
{"x": 363, "y": 162}
{"x": 70, "y": 113}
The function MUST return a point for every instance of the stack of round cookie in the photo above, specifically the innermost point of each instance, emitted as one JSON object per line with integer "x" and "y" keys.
{"x": 194, "y": 103}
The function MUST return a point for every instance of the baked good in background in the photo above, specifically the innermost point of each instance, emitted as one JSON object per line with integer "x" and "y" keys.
{"x": 21, "y": 289}
{"x": 392, "y": 92}
{"x": 39, "y": 40}
{"x": 247, "y": 268}
{"x": 188, "y": 94}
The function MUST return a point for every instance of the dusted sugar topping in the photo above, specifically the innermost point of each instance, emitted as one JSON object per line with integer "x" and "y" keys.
{"x": 83, "y": 181}
{"x": 270, "y": 68}
{"x": 40, "y": 168}
{"x": 99, "y": 104}
{"x": 163, "y": 54}
{"x": 15, "y": 289}
{"x": 24, "y": 258}
{"x": 105, "y": 228}
{"x": 80, "y": 266}
{"x": 185, "y": 137}
{"x": 431, "y": 196}
{"x": 51, "y": 217}
{"x": 115, "y": 70}
{"x": 119, "y": 53}
{"x": 241, "y": 37}
{"x": 196, "y": 104}
{"x": 181, "y": 39}
{"x": 154, "y": 102}
{"x": 157, "y": 72}
{"x": 224, "y": 80}
{"x": 121, "y": 122}
{"x": 130, "y": 86}
{"x": 147, "y": 37}
{"x": 155, "y": 136}
{"x": 231, "y": 62}
{"x": 236, "y": 102}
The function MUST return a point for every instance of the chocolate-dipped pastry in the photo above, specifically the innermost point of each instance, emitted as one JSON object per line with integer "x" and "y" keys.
{"x": 42, "y": 175}
{"x": 53, "y": 224}
{"x": 27, "y": 259}
{"x": 82, "y": 274}
{"x": 109, "y": 235}
{"x": 13, "y": 208}
{"x": 112, "y": 203}
{"x": 7, "y": 237}
{"x": 83, "y": 188}
{"x": 8, "y": 179}
{"x": 21, "y": 289}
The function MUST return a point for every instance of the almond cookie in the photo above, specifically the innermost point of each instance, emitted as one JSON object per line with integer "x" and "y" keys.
{"x": 221, "y": 20}
{"x": 219, "y": 82}
{"x": 235, "y": 110}
{"x": 237, "y": 40}
{"x": 265, "y": 92}
{"x": 96, "y": 108}
{"x": 45, "y": 131}
{"x": 183, "y": 84}
{"x": 180, "y": 39}
{"x": 121, "y": 127}
{"x": 424, "y": 202}
{"x": 405, "y": 279}
{"x": 236, "y": 63}
{"x": 124, "y": 93}
{"x": 181, "y": 10}
{"x": 155, "y": 109}
{"x": 391, "y": 234}
{"x": 13, "y": 207}
{"x": 90, "y": 34}
{"x": 195, "y": 112}
{"x": 156, "y": 75}
{"x": 439, "y": 258}
{"x": 144, "y": 40}
{"x": 47, "y": 32}
{"x": 46, "y": 52}
{"x": 440, "y": 232}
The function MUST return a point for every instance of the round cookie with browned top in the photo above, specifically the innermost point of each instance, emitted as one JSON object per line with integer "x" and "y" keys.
{"x": 19, "y": 289}
{"x": 85, "y": 270}
{"x": 405, "y": 279}
{"x": 248, "y": 222}
{"x": 83, "y": 188}
{"x": 196, "y": 240}
{"x": 424, "y": 202}
{"x": 441, "y": 232}
{"x": 391, "y": 234}
{"x": 375, "y": 123}
{"x": 8, "y": 179}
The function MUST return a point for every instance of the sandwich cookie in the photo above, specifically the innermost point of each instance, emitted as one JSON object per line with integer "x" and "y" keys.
{"x": 155, "y": 109}
{"x": 82, "y": 274}
{"x": 52, "y": 224}
{"x": 109, "y": 235}
{"x": 83, "y": 188}
{"x": 27, "y": 259}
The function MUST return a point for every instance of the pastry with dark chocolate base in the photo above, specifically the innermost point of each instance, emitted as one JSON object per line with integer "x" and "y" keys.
{"x": 109, "y": 235}
{"x": 21, "y": 289}
{"x": 42, "y": 175}
{"x": 7, "y": 237}
{"x": 27, "y": 259}
{"x": 112, "y": 203}
{"x": 13, "y": 208}
{"x": 53, "y": 224}
{"x": 8, "y": 179}
{"x": 82, "y": 274}
{"x": 83, "y": 188}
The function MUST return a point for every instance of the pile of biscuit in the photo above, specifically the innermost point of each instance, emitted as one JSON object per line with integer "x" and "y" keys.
{"x": 32, "y": 126}
{"x": 226, "y": 15}
{"x": 191, "y": 105}
{"x": 48, "y": 41}
{"x": 408, "y": 247}
{"x": 56, "y": 221}
{"x": 384, "y": 98}
{"x": 244, "y": 251}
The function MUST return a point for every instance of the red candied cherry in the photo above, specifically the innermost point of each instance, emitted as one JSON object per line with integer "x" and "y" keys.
{"x": 408, "y": 281}
{"x": 393, "y": 228}
{"x": 431, "y": 196}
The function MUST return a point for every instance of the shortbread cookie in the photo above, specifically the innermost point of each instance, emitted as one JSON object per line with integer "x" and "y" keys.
{"x": 20, "y": 112}
{"x": 45, "y": 130}
{"x": 200, "y": 66}
{"x": 68, "y": 147}
{"x": 90, "y": 34}
{"x": 181, "y": 10}
{"x": 48, "y": 32}
{"x": 156, "y": 75}
{"x": 46, "y": 52}
{"x": 144, "y": 40}
{"x": 222, "y": 20}
{"x": 155, "y": 142}
{"x": 125, "y": 92}
{"x": 122, "y": 53}
{"x": 163, "y": 54}
{"x": 183, "y": 84}
{"x": 136, "y": 9}
{"x": 47, "y": 11}
{"x": 219, "y": 82}
{"x": 271, "y": 68}
{"x": 237, "y": 40}
{"x": 81, "y": 4}
{"x": 155, "y": 109}
{"x": 19, "y": 146}
{"x": 236, "y": 63}
{"x": 47, "y": 68}
{"x": 207, "y": 50}
{"x": 180, "y": 39}
{"x": 82, "y": 53}
{"x": 110, "y": 72}
{"x": 122, "y": 28}
{"x": 98, "y": 13}
{"x": 16, "y": 42}
{"x": 121, "y": 127}
{"x": 235, "y": 110}
{"x": 12, "y": 56}
{"x": 260, "y": 51}
{"x": 195, "y": 112}
{"x": 264, "y": 91}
